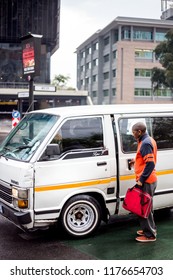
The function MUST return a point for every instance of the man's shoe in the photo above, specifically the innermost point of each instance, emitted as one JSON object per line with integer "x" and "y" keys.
{"x": 140, "y": 232}
{"x": 143, "y": 238}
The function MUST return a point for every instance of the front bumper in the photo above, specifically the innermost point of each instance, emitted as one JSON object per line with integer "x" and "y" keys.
{"x": 18, "y": 218}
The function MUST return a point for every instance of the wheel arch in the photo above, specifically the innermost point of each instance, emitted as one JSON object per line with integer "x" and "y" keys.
{"x": 98, "y": 197}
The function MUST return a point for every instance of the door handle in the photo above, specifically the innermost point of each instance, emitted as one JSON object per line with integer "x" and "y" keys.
{"x": 130, "y": 165}
{"x": 101, "y": 163}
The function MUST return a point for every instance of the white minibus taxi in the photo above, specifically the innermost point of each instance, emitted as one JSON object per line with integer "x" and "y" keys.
{"x": 70, "y": 165}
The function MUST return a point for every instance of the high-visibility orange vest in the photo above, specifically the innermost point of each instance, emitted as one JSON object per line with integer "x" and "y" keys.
{"x": 146, "y": 152}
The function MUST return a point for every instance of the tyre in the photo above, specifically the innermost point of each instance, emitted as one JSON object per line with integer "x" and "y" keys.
{"x": 81, "y": 216}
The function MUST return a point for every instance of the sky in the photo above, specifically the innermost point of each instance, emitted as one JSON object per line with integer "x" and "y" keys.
{"x": 79, "y": 19}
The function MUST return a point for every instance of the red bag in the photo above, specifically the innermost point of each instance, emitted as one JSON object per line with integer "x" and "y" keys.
{"x": 138, "y": 202}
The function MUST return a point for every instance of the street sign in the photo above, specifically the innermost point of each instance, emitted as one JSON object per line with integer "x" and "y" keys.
{"x": 15, "y": 118}
{"x": 23, "y": 94}
{"x": 15, "y": 114}
{"x": 44, "y": 88}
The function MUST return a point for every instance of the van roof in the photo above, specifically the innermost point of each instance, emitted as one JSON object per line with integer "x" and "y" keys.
{"x": 107, "y": 109}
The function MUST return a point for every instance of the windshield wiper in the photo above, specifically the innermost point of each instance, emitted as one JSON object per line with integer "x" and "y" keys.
{"x": 5, "y": 149}
{"x": 23, "y": 147}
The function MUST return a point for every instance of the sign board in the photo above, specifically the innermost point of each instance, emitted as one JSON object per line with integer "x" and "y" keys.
{"x": 23, "y": 94}
{"x": 45, "y": 88}
{"x": 15, "y": 114}
{"x": 15, "y": 118}
{"x": 31, "y": 52}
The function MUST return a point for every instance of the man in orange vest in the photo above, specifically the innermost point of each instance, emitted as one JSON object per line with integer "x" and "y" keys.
{"x": 144, "y": 167}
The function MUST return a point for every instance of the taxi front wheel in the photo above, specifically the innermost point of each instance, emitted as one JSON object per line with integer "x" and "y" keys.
{"x": 81, "y": 216}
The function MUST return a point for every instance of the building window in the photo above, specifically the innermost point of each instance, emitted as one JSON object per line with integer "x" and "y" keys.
{"x": 88, "y": 51}
{"x": 105, "y": 92}
{"x": 106, "y": 41}
{"x": 94, "y": 78}
{"x": 114, "y": 54}
{"x": 142, "y": 72}
{"x": 95, "y": 62}
{"x": 106, "y": 58}
{"x": 126, "y": 33}
{"x": 95, "y": 46}
{"x": 88, "y": 65}
{"x": 142, "y": 35}
{"x": 113, "y": 91}
{"x": 143, "y": 54}
{"x": 114, "y": 73}
{"x": 106, "y": 75}
{"x": 87, "y": 81}
{"x": 82, "y": 54}
{"x": 160, "y": 36}
{"x": 94, "y": 93}
{"x": 115, "y": 36}
{"x": 82, "y": 68}
{"x": 164, "y": 92}
{"x": 143, "y": 92}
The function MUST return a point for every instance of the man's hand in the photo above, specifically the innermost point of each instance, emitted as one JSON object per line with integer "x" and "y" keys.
{"x": 139, "y": 183}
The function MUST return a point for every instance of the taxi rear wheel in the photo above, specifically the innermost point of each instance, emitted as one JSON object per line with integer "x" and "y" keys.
{"x": 81, "y": 216}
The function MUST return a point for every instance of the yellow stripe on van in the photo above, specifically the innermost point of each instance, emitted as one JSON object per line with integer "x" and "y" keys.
{"x": 94, "y": 182}
{"x": 75, "y": 185}
{"x": 164, "y": 172}
{"x": 127, "y": 177}
{"x": 159, "y": 173}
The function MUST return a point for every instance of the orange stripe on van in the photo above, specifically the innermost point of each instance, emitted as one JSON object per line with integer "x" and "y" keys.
{"x": 95, "y": 182}
{"x": 164, "y": 172}
{"x": 75, "y": 185}
{"x": 159, "y": 173}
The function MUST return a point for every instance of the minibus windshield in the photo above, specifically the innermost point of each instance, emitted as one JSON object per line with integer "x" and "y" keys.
{"x": 23, "y": 140}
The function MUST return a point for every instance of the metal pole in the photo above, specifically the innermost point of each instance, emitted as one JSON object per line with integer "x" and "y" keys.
{"x": 31, "y": 93}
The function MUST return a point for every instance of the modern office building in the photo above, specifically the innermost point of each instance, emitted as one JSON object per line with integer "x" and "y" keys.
{"x": 17, "y": 18}
{"x": 115, "y": 63}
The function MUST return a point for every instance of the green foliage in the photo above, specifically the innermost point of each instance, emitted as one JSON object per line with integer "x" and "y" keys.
{"x": 164, "y": 53}
{"x": 60, "y": 80}
{"x": 158, "y": 78}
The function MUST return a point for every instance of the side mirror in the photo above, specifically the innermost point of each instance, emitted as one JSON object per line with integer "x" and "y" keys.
{"x": 52, "y": 152}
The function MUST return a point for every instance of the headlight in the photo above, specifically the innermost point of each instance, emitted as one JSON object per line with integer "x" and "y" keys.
{"x": 20, "y": 198}
{"x": 14, "y": 193}
{"x": 19, "y": 193}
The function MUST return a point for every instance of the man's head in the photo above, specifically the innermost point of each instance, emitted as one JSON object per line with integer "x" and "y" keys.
{"x": 138, "y": 129}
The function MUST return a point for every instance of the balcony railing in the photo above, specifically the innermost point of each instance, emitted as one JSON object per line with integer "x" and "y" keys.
{"x": 14, "y": 85}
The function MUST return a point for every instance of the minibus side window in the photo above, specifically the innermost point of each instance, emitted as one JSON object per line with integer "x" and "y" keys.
{"x": 162, "y": 129}
{"x": 79, "y": 134}
{"x": 128, "y": 143}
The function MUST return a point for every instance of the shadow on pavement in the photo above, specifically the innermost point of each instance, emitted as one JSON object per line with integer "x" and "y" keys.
{"x": 113, "y": 241}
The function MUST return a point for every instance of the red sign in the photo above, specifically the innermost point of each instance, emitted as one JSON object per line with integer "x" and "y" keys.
{"x": 28, "y": 56}
{"x": 31, "y": 54}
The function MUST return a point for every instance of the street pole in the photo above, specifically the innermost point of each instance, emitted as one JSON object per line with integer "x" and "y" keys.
{"x": 31, "y": 52}
{"x": 31, "y": 93}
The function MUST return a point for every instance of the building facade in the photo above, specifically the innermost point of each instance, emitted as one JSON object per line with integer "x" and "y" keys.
{"x": 115, "y": 63}
{"x": 17, "y": 18}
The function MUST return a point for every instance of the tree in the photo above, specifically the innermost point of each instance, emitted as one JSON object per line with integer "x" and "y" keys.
{"x": 60, "y": 80}
{"x": 157, "y": 78}
{"x": 164, "y": 53}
